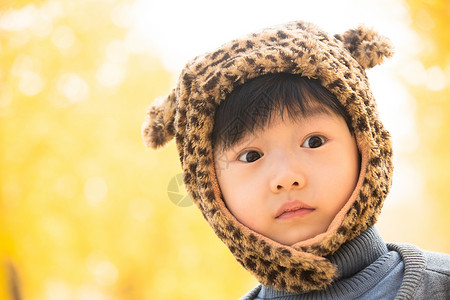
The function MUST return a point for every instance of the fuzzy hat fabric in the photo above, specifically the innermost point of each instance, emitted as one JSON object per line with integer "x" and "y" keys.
{"x": 187, "y": 114}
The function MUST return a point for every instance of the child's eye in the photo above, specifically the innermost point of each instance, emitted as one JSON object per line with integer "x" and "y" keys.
{"x": 250, "y": 156}
{"x": 314, "y": 141}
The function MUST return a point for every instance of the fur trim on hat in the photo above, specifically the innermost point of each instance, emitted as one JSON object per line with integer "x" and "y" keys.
{"x": 297, "y": 48}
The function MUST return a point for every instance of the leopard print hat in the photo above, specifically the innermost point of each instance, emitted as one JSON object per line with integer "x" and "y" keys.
{"x": 187, "y": 114}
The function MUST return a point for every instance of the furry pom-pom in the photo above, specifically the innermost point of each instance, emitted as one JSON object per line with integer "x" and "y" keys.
{"x": 158, "y": 128}
{"x": 366, "y": 46}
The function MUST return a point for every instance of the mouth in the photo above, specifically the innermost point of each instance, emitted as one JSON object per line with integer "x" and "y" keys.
{"x": 293, "y": 209}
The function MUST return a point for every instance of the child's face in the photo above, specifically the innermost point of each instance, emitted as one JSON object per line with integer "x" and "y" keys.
{"x": 288, "y": 181}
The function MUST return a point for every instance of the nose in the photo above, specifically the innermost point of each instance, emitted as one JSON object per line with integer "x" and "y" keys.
{"x": 287, "y": 175}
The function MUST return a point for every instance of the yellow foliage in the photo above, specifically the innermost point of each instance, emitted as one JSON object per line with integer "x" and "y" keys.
{"x": 84, "y": 210}
{"x": 431, "y": 20}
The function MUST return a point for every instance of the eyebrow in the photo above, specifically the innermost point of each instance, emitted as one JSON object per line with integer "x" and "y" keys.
{"x": 311, "y": 112}
{"x": 259, "y": 131}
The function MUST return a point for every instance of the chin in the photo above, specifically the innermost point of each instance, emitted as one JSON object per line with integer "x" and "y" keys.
{"x": 299, "y": 237}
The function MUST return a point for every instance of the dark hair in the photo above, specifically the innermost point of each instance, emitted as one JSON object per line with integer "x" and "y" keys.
{"x": 251, "y": 106}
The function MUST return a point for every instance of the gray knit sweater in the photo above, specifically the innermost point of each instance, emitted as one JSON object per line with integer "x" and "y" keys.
{"x": 371, "y": 269}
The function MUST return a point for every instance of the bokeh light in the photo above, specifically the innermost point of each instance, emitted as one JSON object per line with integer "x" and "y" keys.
{"x": 85, "y": 210}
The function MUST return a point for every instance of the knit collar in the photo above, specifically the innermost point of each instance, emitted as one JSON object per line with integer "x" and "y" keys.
{"x": 351, "y": 258}
{"x": 359, "y": 253}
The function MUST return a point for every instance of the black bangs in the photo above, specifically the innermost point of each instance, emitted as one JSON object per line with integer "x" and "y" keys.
{"x": 251, "y": 106}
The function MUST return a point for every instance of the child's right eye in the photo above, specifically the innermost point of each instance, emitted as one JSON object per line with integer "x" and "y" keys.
{"x": 250, "y": 156}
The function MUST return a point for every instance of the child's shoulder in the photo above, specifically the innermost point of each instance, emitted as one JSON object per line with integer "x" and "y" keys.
{"x": 417, "y": 258}
{"x": 436, "y": 276}
{"x": 438, "y": 262}
{"x": 429, "y": 260}
{"x": 426, "y": 273}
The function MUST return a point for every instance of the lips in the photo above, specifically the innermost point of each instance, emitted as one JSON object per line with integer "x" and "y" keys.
{"x": 292, "y": 209}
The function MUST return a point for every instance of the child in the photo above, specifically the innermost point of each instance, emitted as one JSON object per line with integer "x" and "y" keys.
{"x": 283, "y": 152}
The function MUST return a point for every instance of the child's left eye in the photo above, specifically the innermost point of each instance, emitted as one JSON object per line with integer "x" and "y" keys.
{"x": 314, "y": 141}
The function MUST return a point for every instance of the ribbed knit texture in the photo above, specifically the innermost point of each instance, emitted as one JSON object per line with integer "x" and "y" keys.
{"x": 359, "y": 253}
{"x": 415, "y": 263}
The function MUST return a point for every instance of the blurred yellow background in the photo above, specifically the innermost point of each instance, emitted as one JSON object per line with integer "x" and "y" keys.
{"x": 86, "y": 211}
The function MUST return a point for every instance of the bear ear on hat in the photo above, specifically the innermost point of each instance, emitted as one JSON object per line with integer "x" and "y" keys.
{"x": 366, "y": 46}
{"x": 158, "y": 128}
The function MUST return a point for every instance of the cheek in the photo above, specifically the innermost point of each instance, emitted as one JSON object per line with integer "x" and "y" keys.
{"x": 241, "y": 196}
{"x": 349, "y": 173}
{"x": 231, "y": 187}
{"x": 238, "y": 200}
{"x": 339, "y": 174}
